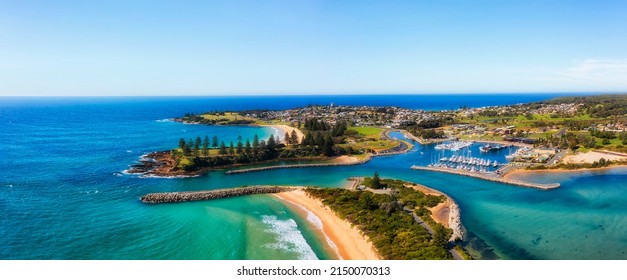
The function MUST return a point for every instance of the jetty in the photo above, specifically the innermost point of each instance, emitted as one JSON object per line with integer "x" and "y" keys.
{"x": 171, "y": 197}
{"x": 489, "y": 177}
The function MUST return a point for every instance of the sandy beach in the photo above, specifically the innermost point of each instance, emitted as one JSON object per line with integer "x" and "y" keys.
{"x": 592, "y": 156}
{"x": 345, "y": 160}
{"x": 350, "y": 243}
{"x": 286, "y": 128}
{"x": 514, "y": 174}
{"x": 440, "y": 213}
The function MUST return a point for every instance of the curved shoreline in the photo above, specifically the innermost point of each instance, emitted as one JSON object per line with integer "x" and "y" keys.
{"x": 454, "y": 221}
{"x": 350, "y": 243}
{"x": 283, "y": 128}
{"x": 517, "y": 172}
{"x": 489, "y": 178}
{"x": 345, "y": 239}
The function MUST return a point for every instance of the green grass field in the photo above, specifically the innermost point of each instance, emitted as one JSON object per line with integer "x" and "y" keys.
{"x": 368, "y": 131}
{"x": 228, "y": 117}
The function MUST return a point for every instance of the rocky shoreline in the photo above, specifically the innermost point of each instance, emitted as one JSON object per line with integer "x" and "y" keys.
{"x": 455, "y": 220}
{"x": 160, "y": 164}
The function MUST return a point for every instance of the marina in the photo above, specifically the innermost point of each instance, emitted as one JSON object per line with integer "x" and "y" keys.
{"x": 454, "y": 146}
{"x": 485, "y": 158}
{"x": 491, "y": 147}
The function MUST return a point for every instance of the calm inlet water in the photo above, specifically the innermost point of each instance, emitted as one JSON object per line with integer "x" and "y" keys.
{"x": 62, "y": 195}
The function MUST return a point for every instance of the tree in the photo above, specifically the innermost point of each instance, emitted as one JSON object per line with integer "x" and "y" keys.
{"x": 215, "y": 142}
{"x": 263, "y": 148}
{"x": 287, "y": 139}
{"x": 271, "y": 146}
{"x": 231, "y": 150}
{"x": 205, "y": 145}
{"x": 319, "y": 140}
{"x": 376, "y": 181}
{"x": 197, "y": 143}
{"x": 182, "y": 143}
{"x": 222, "y": 148}
{"x": 186, "y": 149}
{"x": 239, "y": 147}
{"x": 294, "y": 137}
{"x": 256, "y": 144}
{"x": 309, "y": 140}
{"x": 440, "y": 237}
{"x": 247, "y": 148}
{"x": 327, "y": 147}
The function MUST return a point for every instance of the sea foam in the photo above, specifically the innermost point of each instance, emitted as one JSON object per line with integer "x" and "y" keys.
{"x": 289, "y": 237}
{"x": 315, "y": 221}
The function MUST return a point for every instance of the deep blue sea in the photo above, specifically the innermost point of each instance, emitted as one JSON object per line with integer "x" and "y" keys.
{"x": 63, "y": 196}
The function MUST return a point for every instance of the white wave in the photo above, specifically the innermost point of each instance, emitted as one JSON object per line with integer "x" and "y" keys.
{"x": 165, "y": 120}
{"x": 129, "y": 151}
{"x": 90, "y": 192}
{"x": 289, "y": 237}
{"x": 126, "y": 172}
{"x": 143, "y": 176}
{"x": 145, "y": 157}
{"x": 315, "y": 220}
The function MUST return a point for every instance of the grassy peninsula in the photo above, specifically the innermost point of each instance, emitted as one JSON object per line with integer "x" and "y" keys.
{"x": 388, "y": 218}
{"x": 321, "y": 143}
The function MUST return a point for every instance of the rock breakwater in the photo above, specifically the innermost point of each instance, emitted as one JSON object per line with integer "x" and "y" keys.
{"x": 171, "y": 197}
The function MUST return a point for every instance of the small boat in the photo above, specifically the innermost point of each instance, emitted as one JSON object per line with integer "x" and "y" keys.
{"x": 490, "y": 147}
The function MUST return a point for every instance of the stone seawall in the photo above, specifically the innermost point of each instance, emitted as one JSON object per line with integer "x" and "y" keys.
{"x": 263, "y": 168}
{"x": 170, "y": 197}
{"x": 489, "y": 178}
{"x": 455, "y": 220}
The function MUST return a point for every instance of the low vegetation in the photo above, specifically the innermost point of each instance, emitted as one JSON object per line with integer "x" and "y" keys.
{"x": 387, "y": 219}
{"x": 572, "y": 166}
{"x": 321, "y": 141}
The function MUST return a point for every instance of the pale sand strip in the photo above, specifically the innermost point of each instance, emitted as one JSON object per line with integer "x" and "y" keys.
{"x": 350, "y": 243}
{"x": 514, "y": 175}
{"x": 489, "y": 178}
{"x": 593, "y": 156}
{"x": 286, "y": 128}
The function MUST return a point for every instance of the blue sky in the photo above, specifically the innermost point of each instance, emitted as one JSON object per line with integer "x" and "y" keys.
{"x": 299, "y": 46}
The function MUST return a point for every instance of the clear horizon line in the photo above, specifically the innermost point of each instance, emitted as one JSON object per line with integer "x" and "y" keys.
{"x": 331, "y": 93}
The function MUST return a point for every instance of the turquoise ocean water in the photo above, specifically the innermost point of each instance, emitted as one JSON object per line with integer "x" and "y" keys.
{"x": 62, "y": 194}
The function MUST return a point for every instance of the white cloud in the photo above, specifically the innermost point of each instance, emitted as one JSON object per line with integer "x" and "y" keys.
{"x": 594, "y": 70}
{"x": 589, "y": 74}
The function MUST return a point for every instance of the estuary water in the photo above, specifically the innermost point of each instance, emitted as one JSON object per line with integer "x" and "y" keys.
{"x": 63, "y": 194}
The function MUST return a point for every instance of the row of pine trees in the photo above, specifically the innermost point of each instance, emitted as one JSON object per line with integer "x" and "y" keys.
{"x": 320, "y": 140}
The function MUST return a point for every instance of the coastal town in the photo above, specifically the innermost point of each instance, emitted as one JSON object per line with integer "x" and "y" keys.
{"x": 554, "y": 134}
{"x": 545, "y": 129}
{"x": 506, "y": 140}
